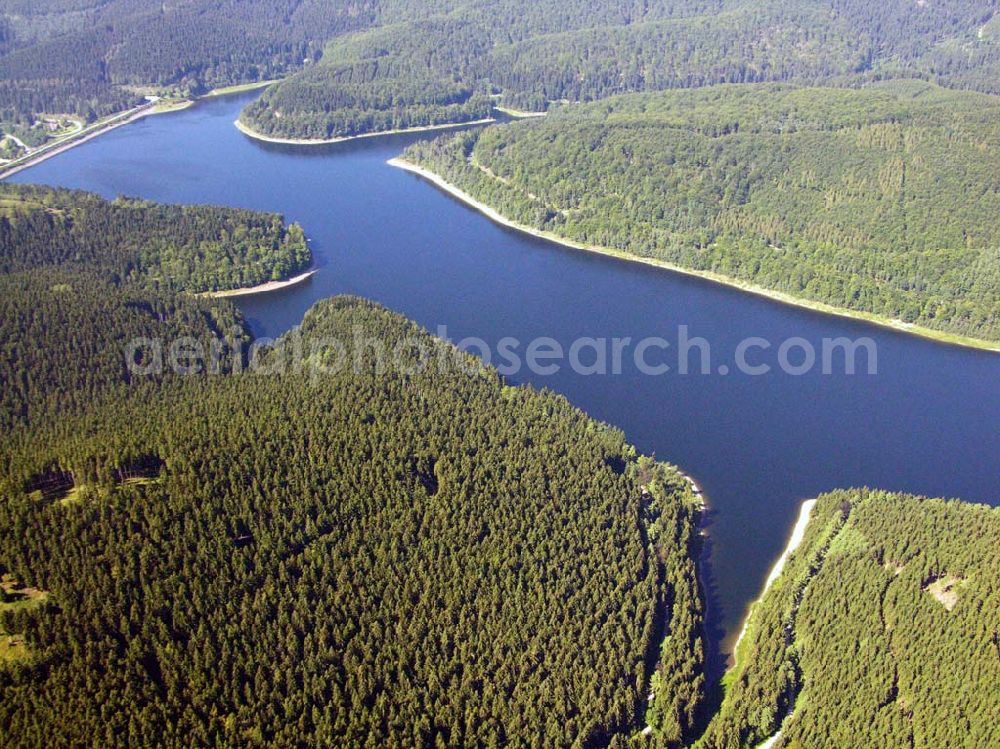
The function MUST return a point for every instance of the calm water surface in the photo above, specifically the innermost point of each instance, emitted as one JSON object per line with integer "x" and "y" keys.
{"x": 928, "y": 423}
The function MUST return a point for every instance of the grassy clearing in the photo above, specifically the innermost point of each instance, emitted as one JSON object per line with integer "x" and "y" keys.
{"x": 171, "y": 105}
{"x": 12, "y": 206}
{"x": 239, "y": 88}
{"x": 13, "y": 648}
{"x": 74, "y": 495}
{"x": 84, "y": 492}
{"x": 945, "y": 590}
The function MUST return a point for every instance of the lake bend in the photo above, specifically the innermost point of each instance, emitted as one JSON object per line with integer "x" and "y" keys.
{"x": 927, "y": 422}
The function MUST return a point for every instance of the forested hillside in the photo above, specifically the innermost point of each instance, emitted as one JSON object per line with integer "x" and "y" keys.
{"x": 80, "y": 277}
{"x": 881, "y": 200}
{"x": 361, "y": 558}
{"x": 63, "y": 336}
{"x": 180, "y": 248}
{"x": 402, "y": 63}
{"x": 882, "y": 631}
{"x": 85, "y": 56}
{"x": 418, "y": 68}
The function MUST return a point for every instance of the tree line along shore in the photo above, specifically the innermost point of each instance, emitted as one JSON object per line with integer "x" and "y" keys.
{"x": 795, "y": 193}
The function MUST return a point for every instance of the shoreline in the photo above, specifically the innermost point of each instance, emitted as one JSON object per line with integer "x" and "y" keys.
{"x": 794, "y": 541}
{"x": 516, "y": 114}
{"x": 251, "y": 133}
{"x": 696, "y": 490}
{"x": 263, "y": 288}
{"x": 93, "y": 131}
{"x": 777, "y": 296}
{"x": 86, "y": 134}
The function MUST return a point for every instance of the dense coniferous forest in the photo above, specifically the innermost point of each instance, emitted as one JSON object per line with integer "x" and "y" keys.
{"x": 882, "y": 200}
{"x": 403, "y": 63}
{"x": 86, "y": 58}
{"x": 63, "y": 338}
{"x": 181, "y": 248}
{"x": 355, "y": 558}
{"x": 532, "y": 54}
{"x": 881, "y": 632}
{"x": 337, "y": 102}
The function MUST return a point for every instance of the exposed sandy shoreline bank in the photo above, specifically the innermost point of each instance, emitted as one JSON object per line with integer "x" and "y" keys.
{"x": 798, "y": 533}
{"x": 250, "y": 132}
{"x": 264, "y": 287}
{"x": 777, "y": 296}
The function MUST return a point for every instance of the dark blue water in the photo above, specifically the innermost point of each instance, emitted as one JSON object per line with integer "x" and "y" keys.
{"x": 928, "y": 422}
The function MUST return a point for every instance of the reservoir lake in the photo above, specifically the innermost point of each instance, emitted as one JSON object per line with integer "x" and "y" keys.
{"x": 928, "y": 422}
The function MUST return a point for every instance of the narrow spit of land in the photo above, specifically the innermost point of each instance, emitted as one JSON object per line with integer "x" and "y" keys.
{"x": 251, "y": 133}
{"x": 264, "y": 287}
